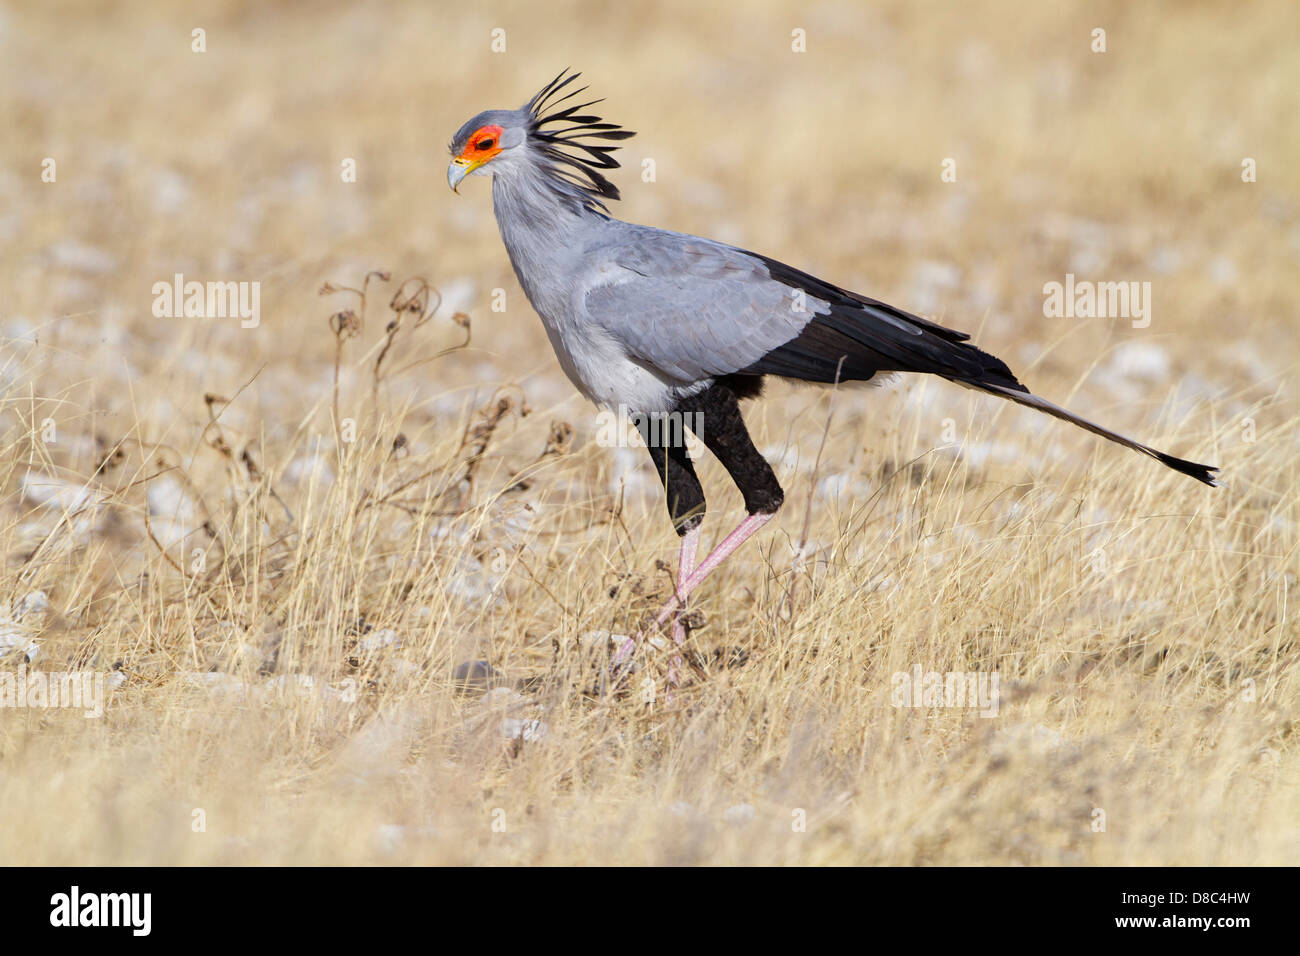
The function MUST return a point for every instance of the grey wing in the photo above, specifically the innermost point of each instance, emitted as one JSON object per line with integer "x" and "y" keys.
{"x": 693, "y": 309}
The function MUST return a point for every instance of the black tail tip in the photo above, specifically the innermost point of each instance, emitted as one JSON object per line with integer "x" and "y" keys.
{"x": 1202, "y": 473}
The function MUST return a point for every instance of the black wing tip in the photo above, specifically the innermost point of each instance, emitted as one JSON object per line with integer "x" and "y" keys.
{"x": 1202, "y": 473}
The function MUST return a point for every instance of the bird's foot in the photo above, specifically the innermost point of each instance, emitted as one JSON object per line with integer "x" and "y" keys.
{"x": 684, "y": 622}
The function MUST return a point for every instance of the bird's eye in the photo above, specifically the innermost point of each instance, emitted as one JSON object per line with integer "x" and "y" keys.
{"x": 486, "y": 143}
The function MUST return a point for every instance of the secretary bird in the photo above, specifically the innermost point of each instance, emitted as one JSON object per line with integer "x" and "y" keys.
{"x": 673, "y": 326}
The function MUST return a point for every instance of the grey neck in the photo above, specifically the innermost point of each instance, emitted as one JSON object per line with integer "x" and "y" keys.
{"x": 539, "y": 225}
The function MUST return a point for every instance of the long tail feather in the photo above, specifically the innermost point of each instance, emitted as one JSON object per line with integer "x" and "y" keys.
{"x": 1203, "y": 473}
{"x": 861, "y": 337}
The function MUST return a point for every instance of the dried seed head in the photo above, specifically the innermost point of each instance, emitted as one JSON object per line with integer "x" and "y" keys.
{"x": 560, "y": 439}
{"x": 345, "y": 324}
{"x": 411, "y": 296}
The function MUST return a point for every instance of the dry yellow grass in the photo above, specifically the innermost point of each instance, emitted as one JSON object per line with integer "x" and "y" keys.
{"x": 1142, "y": 625}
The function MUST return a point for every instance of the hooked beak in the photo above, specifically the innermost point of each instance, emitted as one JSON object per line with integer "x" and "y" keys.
{"x": 460, "y": 168}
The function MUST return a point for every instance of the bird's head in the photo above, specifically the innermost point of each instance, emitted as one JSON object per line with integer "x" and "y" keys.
{"x": 488, "y": 137}
{"x": 499, "y": 141}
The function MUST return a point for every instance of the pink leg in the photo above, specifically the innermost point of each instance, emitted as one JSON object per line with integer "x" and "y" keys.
{"x": 685, "y": 565}
{"x": 724, "y": 550}
{"x": 710, "y": 564}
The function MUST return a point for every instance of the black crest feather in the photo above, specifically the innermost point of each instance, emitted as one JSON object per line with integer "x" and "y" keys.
{"x": 576, "y": 159}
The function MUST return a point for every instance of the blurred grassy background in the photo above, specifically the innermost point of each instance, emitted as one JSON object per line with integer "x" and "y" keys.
{"x": 1126, "y": 670}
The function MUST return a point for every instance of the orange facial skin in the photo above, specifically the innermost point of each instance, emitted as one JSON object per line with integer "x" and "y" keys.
{"x": 482, "y": 146}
